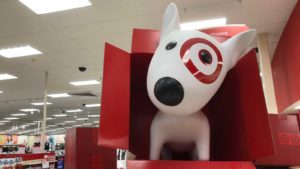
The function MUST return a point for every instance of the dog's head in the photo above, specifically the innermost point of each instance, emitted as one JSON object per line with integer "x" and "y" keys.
{"x": 188, "y": 67}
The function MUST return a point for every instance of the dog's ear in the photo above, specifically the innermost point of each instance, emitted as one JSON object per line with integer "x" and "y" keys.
{"x": 170, "y": 21}
{"x": 238, "y": 46}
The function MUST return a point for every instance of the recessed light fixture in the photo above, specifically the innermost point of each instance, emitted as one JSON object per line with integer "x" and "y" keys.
{"x": 92, "y": 105}
{"x": 74, "y": 111}
{"x": 1, "y": 91}
{"x": 60, "y": 115}
{"x": 80, "y": 119}
{"x": 19, "y": 114}
{"x": 40, "y": 103}
{"x": 94, "y": 115}
{"x": 203, "y": 24}
{"x": 58, "y": 95}
{"x": 6, "y": 76}
{"x": 11, "y": 118}
{"x": 49, "y": 6}
{"x": 29, "y": 110}
{"x": 84, "y": 83}
{"x": 19, "y": 52}
{"x": 50, "y": 118}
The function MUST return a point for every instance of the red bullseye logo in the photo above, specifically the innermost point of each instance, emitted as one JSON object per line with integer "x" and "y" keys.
{"x": 207, "y": 57}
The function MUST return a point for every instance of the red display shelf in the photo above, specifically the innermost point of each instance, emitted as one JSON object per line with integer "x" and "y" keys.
{"x": 26, "y": 157}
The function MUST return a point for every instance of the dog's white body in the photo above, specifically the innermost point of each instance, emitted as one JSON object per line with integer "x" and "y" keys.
{"x": 186, "y": 70}
{"x": 181, "y": 132}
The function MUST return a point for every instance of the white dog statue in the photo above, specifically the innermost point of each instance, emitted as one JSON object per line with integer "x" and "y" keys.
{"x": 185, "y": 72}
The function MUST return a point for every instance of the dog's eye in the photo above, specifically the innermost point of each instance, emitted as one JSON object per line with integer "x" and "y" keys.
{"x": 205, "y": 56}
{"x": 171, "y": 45}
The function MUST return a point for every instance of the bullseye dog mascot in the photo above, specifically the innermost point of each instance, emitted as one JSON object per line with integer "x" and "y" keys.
{"x": 185, "y": 72}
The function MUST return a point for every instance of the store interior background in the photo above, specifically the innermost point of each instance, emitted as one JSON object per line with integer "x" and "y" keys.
{"x": 75, "y": 38}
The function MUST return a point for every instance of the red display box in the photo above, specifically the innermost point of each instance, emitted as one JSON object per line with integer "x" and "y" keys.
{"x": 286, "y": 137}
{"x": 82, "y": 151}
{"x": 237, "y": 114}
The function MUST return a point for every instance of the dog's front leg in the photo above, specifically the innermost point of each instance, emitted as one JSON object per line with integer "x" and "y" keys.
{"x": 157, "y": 141}
{"x": 203, "y": 143}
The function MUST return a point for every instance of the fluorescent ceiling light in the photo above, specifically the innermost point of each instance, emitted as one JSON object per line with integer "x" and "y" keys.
{"x": 40, "y": 103}
{"x": 87, "y": 124}
{"x": 6, "y": 76}
{"x": 92, "y": 105}
{"x": 19, "y": 114}
{"x": 94, "y": 115}
{"x": 60, "y": 115}
{"x": 79, "y": 119}
{"x": 1, "y": 91}
{"x": 84, "y": 83}
{"x": 203, "y": 24}
{"x": 29, "y": 110}
{"x": 97, "y": 122}
{"x": 5, "y": 121}
{"x": 74, "y": 111}
{"x": 48, "y": 6}
{"x": 297, "y": 107}
{"x": 2, "y": 124}
{"x": 58, "y": 95}
{"x": 70, "y": 121}
{"x": 50, "y": 118}
{"x": 11, "y": 118}
{"x": 19, "y": 52}
{"x": 30, "y": 124}
{"x": 77, "y": 125}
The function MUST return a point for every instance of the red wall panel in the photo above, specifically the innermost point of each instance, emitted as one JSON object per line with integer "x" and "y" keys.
{"x": 286, "y": 61}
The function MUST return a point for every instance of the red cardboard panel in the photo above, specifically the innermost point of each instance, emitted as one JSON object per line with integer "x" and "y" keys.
{"x": 238, "y": 116}
{"x": 142, "y": 109}
{"x": 81, "y": 146}
{"x": 188, "y": 165}
{"x": 286, "y": 61}
{"x": 144, "y": 41}
{"x": 286, "y": 137}
{"x": 114, "y": 130}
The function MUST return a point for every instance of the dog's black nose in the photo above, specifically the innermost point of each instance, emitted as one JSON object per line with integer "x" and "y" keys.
{"x": 168, "y": 91}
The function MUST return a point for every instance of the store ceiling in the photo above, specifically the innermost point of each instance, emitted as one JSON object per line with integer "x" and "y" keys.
{"x": 74, "y": 38}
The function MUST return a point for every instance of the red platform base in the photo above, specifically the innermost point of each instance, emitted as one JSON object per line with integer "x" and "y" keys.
{"x": 188, "y": 165}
